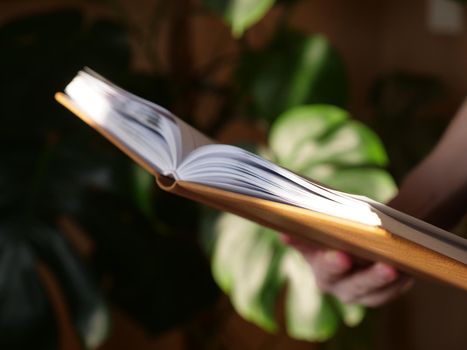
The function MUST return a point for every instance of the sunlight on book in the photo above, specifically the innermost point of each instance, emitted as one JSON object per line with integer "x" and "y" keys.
{"x": 167, "y": 146}
{"x": 157, "y": 135}
{"x": 96, "y": 104}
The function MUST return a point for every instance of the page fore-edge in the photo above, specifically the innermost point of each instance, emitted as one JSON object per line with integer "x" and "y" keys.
{"x": 65, "y": 101}
{"x": 369, "y": 242}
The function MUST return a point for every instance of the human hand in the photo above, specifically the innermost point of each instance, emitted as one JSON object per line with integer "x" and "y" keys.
{"x": 349, "y": 279}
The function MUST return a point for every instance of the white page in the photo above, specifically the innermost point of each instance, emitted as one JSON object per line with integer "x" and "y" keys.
{"x": 186, "y": 138}
{"x": 191, "y": 139}
{"x": 233, "y": 169}
{"x": 172, "y": 147}
{"x": 225, "y": 166}
{"x": 152, "y": 132}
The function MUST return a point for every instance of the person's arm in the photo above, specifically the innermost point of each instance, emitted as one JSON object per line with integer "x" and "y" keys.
{"x": 435, "y": 191}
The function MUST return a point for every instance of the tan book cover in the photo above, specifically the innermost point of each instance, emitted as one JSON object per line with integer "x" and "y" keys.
{"x": 366, "y": 241}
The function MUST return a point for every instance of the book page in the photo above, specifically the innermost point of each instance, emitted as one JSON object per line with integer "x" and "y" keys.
{"x": 191, "y": 139}
{"x": 236, "y": 170}
{"x": 144, "y": 128}
{"x": 187, "y": 138}
{"x": 173, "y": 148}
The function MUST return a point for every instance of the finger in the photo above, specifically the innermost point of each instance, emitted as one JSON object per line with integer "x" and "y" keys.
{"x": 305, "y": 247}
{"x": 329, "y": 267}
{"x": 384, "y": 295}
{"x": 364, "y": 282}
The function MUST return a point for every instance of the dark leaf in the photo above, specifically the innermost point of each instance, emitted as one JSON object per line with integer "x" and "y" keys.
{"x": 240, "y": 14}
{"x": 86, "y": 305}
{"x": 294, "y": 69}
{"x": 161, "y": 280}
{"x": 26, "y": 318}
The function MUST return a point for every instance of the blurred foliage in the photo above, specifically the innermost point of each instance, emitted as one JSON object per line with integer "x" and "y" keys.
{"x": 329, "y": 147}
{"x": 240, "y": 14}
{"x": 53, "y": 166}
{"x": 296, "y": 84}
{"x": 293, "y": 69}
{"x": 26, "y": 318}
{"x": 252, "y": 265}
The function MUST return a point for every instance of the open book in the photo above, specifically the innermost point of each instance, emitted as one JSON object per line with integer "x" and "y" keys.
{"x": 229, "y": 178}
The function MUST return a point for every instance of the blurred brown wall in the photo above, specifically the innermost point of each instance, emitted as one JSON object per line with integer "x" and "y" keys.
{"x": 378, "y": 37}
{"x": 408, "y": 43}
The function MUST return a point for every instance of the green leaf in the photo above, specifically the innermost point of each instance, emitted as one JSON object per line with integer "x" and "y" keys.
{"x": 352, "y": 314}
{"x": 240, "y": 14}
{"x": 315, "y": 134}
{"x": 309, "y": 314}
{"x": 374, "y": 183}
{"x": 252, "y": 266}
{"x": 324, "y": 144}
{"x": 143, "y": 187}
{"x": 248, "y": 261}
{"x": 305, "y": 123}
{"x": 294, "y": 69}
{"x": 245, "y": 264}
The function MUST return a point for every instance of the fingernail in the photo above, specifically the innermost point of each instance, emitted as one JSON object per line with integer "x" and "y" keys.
{"x": 386, "y": 272}
{"x": 336, "y": 258}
